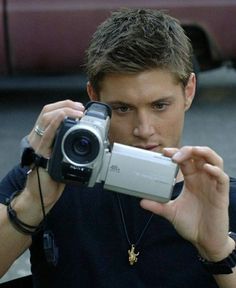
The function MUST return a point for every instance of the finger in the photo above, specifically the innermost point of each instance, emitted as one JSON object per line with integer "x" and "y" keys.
{"x": 60, "y": 109}
{"x": 197, "y": 153}
{"x": 162, "y": 209}
{"x": 46, "y": 119}
{"x": 68, "y": 107}
{"x": 169, "y": 151}
{"x": 216, "y": 172}
{"x": 45, "y": 146}
{"x": 62, "y": 104}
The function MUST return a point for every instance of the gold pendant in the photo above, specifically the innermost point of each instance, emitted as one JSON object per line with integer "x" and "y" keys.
{"x": 132, "y": 255}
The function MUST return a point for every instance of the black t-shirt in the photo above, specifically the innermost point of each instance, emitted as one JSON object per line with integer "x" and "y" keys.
{"x": 93, "y": 247}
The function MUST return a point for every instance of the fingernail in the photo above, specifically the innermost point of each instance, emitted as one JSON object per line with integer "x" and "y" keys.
{"x": 79, "y": 105}
{"x": 167, "y": 149}
{"x": 177, "y": 156}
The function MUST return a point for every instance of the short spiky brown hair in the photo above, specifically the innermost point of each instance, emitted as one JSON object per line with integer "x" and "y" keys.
{"x": 135, "y": 40}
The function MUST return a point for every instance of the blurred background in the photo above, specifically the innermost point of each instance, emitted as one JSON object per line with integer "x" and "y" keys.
{"x": 42, "y": 46}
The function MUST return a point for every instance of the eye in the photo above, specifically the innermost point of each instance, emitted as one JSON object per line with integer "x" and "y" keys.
{"x": 160, "y": 106}
{"x": 121, "y": 108}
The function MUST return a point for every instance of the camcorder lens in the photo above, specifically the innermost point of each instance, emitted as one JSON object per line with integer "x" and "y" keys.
{"x": 81, "y": 146}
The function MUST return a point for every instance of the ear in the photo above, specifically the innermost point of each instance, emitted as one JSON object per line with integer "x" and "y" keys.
{"x": 91, "y": 93}
{"x": 189, "y": 91}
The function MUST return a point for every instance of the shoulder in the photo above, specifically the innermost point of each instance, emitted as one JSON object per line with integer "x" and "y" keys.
{"x": 232, "y": 205}
{"x": 233, "y": 182}
{"x": 13, "y": 181}
{"x": 233, "y": 187}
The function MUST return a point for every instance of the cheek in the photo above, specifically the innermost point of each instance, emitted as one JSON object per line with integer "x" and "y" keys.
{"x": 174, "y": 129}
{"x": 120, "y": 131}
{"x": 171, "y": 127}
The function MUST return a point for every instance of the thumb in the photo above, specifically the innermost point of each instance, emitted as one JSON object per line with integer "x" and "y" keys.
{"x": 162, "y": 209}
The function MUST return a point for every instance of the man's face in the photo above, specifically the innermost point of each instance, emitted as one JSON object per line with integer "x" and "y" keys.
{"x": 147, "y": 108}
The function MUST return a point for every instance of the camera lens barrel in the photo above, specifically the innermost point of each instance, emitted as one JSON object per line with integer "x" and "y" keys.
{"x": 81, "y": 146}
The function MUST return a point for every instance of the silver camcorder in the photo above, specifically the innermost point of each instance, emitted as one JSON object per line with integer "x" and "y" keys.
{"x": 82, "y": 154}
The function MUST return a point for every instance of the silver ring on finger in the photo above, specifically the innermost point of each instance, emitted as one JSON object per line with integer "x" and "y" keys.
{"x": 39, "y": 131}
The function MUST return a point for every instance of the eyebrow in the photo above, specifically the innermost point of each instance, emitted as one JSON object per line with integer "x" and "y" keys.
{"x": 167, "y": 98}
{"x": 117, "y": 103}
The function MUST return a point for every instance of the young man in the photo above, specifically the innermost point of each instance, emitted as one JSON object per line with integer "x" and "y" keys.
{"x": 138, "y": 62}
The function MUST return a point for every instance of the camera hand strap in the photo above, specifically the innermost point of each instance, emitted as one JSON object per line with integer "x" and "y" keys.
{"x": 29, "y": 157}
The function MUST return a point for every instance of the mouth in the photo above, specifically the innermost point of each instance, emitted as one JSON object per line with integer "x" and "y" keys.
{"x": 151, "y": 147}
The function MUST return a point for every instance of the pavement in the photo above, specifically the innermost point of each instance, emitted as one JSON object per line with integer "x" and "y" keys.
{"x": 210, "y": 122}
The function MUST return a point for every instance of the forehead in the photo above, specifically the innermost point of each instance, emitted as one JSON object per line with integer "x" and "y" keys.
{"x": 151, "y": 84}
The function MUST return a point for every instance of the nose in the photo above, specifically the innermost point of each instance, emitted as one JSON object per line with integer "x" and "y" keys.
{"x": 143, "y": 127}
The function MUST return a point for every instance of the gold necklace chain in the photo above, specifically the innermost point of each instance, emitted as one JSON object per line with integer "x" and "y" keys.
{"x": 133, "y": 256}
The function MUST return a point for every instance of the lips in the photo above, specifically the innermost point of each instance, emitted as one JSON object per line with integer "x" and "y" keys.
{"x": 150, "y": 147}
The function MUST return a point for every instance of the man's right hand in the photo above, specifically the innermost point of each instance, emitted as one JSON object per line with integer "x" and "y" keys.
{"x": 48, "y": 121}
